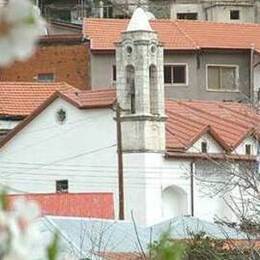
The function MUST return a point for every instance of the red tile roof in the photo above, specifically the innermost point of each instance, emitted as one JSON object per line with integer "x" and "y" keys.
{"x": 95, "y": 205}
{"x": 228, "y": 122}
{"x": 177, "y": 35}
{"x": 90, "y": 98}
{"x": 21, "y": 98}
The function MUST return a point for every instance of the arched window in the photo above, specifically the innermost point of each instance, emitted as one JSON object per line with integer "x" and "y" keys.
{"x": 130, "y": 84}
{"x": 175, "y": 202}
{"x": 153, "y": 89}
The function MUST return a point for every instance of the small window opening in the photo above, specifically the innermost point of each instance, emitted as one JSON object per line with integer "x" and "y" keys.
{"x": 204, "y": 147}
{"x": 62, "y": 186}
{"x": 187, "y": 16}
{"x": 234, "y": 15}
{"x": 130, "y": 81}
{"x": 248, "y": 149}
{"x": 114, "y": 73}
{"x": 153, "y": 90}
{"x": 45, "y": 77}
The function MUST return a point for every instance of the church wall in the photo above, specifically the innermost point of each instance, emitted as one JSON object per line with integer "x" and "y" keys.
{"x": 148, "y": 175}
{"x": 28, "y": 160}
{"x": 28, "y": 163}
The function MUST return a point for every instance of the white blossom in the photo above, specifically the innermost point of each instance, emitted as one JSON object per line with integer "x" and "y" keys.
{"x": 20, "y": 27}
{"x": 19, "y": 237}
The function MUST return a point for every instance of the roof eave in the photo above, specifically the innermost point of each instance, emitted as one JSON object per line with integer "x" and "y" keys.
{"x": 206, "y": 156}
{"x": 28, "y": 119}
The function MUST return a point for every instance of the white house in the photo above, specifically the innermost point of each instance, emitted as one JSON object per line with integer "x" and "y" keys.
{"x": 69, "y": 143}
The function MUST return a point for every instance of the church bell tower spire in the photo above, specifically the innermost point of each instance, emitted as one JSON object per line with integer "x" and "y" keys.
{"x": 140, "y": 87}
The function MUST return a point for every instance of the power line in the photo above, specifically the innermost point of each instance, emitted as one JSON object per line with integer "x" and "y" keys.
{"x": 87, "y": 166}
{"x": 27, "y": 146}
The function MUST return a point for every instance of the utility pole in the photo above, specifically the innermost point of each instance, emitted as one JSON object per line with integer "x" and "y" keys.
{"x": 192, "y": 166}
{"x": 252, "y": 87}
{"x": 120, "y": 163}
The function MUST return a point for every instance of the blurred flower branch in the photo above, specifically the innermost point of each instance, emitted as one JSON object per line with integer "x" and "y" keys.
{"x": 20, "y": 26}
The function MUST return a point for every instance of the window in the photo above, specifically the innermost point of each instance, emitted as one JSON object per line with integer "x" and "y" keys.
{"x": 108, "y": 11}
{"x": 62, "y": 186}
{"x": 222, "y": 77}
{"x": 187, "y": 16}
{"x": 234, "y": 15}
{"x": 130, "y": 82}
{"x": 175, "y": 74}
{"x": 204, "y": 147}
{"x": 153, "y": 89}
{"x": 45, "y": 77}
{"x": 248, "y": 149}
{"x": 114, "y": 73}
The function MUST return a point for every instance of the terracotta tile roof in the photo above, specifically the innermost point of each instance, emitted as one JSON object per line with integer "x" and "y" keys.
{"x": 96, "y": 205}
{"x": 228, "y": 122}
{"x": 90, "y": 98}
{"x": 178, "y": 34}
{"x": 21, "y": 98}
{"x": 120, "y": 256}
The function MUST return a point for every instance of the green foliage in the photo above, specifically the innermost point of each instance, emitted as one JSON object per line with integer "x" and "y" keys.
{"x": 164, "y": 249}
{"x": 53, "y": 248}
{"x": 198, "y": 247}
{"x": 250, "y": 226}
{"x": 202, "y": 247}
{"x": 3, "y": 200}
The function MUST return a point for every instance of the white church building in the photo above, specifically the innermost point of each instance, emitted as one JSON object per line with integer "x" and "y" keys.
{"x": 69, "y": 143}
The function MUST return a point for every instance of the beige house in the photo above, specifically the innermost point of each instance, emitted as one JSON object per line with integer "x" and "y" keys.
{"x": 230, "y": 11}
{"x": 202, "y": 60}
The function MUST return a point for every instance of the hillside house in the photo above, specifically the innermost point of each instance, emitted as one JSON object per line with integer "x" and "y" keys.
{"x": 226, "y": 11}
{"x": 58, "y": 58}
{"x": 202, "y": 60}
{"x": 69, "y": 142}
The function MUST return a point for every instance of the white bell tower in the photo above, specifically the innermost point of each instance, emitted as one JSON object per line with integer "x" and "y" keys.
{"x": 140, "y": 87}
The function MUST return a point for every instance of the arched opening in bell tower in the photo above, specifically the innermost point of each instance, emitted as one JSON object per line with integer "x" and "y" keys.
{"x": 153, "y": 89}
{"x": 130, "y": 86}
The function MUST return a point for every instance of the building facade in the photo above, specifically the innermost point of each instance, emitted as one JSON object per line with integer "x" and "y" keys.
{"x": 219, "y": 65}
{"x": 226, "y": 11}
{"x": 59, "y": 58}
{"x": 69, "y": 143}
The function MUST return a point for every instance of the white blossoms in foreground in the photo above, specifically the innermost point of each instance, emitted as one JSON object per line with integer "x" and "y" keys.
{"x": 18, "y": 235}
{"x": 21, "y": 237}
{"x": 20, "y": 27}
